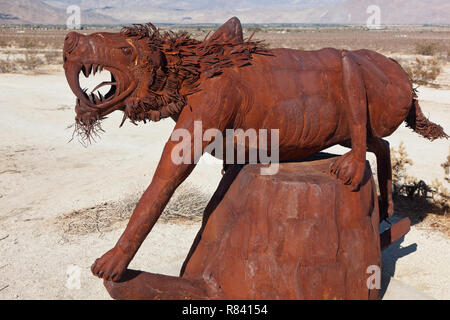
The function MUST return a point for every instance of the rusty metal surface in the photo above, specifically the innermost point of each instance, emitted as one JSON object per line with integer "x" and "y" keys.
{"x": 316, "y": 99}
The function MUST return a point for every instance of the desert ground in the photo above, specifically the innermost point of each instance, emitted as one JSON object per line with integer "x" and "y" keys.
{"x": 62, "y": 205}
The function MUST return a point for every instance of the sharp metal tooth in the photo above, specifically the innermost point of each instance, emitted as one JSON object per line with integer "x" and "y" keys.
{"x": 95, "y": 68}
{"x": 91, "y": 98}
{"x": 100, "y": 96}
{"x": 84, "y": 70}
{"x": 123, "y": 120}
{"x": 88, "y": 68}
{"x": 101, "y": 68}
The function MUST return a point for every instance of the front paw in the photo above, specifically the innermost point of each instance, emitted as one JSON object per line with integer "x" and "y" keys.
{"x": 112, "y": 265}
{"x": 349, "y": 169}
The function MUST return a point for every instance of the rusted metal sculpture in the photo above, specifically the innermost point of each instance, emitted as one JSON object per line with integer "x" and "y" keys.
{"x": 316, "y": 99}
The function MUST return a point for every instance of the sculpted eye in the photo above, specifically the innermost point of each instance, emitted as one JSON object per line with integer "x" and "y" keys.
{"x": 127, "y": 50}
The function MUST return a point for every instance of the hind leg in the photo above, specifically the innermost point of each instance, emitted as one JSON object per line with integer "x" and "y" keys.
{"x": 381, "y": 150}
{"x": 350, "y": 167}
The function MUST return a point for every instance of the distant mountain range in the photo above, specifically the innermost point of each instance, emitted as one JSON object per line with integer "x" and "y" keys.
{"x": 217, "y": 11}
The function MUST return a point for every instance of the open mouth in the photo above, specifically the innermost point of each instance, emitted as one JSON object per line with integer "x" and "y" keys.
{"x": 95, "y": 96}
{"x": 119, "y": 88}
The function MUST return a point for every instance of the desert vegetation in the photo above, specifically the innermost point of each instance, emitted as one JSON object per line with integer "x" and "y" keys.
{"x": 427, "y": 49}
{"x": 427, "y": 64}
{"x": 24, "y": 54}
{"x": 24, "y": 62}
{"x": 424, "y": 71}
{"x": 426, "y": 204}
{"x": 31, "y": 50}
{"x": 186, "y": 206}
{"x": 423, "y": 52}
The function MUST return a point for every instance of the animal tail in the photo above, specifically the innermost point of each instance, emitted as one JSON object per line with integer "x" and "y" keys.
{"x": 421, "y": 125}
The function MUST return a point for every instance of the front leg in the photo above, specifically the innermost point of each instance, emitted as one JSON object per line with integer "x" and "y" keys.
{"x": 167, "y": 178}
{"x": 351, "y": 166}
{"x": 170, "y": 174}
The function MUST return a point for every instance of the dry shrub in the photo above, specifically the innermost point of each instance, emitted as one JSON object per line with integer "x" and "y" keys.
{"x": 186, "y": 206}
{"x": 426, "y": 49}
{"x": 31, "y": 62}
{"x": 426, "y": 205}
{"x": 446, "y": 166}
{"x": 28, "y": 44}
{"x": 399, "y": 161}
{"x": 441, "y": 196}
{"x": 53, "y": 57}
{"x": 424, "y": 72}
{"x": 7, "y": 65}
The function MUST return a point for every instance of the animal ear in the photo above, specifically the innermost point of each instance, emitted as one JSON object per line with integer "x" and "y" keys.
{"x": 229, "y": 31}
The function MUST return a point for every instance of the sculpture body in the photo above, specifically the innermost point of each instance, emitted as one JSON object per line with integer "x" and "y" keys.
{"x": 316, "y": 99}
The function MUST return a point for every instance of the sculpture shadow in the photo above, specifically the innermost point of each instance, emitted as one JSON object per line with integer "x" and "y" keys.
{"x": 391, "y": 255}
{"x": 416, "y": 209}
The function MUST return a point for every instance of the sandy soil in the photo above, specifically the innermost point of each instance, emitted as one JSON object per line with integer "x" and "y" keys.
{"x": 43, "y": 177}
